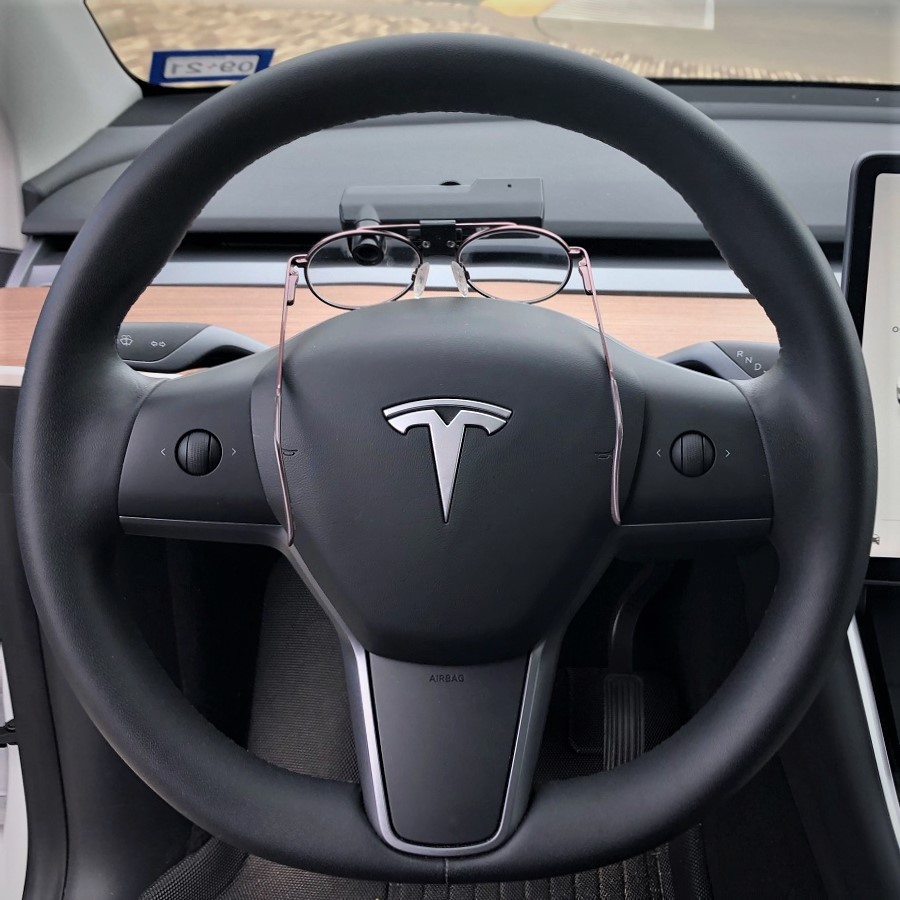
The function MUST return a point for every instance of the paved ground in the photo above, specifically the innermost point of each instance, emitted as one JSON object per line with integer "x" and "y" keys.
{"x": 785, "y": 40}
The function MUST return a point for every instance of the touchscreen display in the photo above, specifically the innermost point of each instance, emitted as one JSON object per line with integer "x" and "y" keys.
{"x": 881, "y": 348}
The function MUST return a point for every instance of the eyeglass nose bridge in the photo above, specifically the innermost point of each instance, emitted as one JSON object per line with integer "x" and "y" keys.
{"x": 420, "y": 278}
{"x": 438, "y": 237}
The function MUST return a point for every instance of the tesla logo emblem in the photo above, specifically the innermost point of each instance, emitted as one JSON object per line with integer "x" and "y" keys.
{"x": 447, "y": 432}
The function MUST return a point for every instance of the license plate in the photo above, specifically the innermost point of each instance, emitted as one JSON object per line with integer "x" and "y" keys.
{"x": 207, "y": 65}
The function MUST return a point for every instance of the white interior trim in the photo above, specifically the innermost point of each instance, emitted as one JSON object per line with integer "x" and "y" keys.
{"x": 11, "y": 213}
{"x": 874, "y": 724}
{"x": 59, "y": 81}
{"x": 14, "y": 821}
{"x": 11, "y": 376}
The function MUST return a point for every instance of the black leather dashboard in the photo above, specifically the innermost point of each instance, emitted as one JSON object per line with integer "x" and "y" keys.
{"x": 806, "y": 144}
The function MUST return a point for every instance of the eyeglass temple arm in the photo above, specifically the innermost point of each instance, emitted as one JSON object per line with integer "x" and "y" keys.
{"x": 295, "y": 265}
{"x": 587, "y": 279}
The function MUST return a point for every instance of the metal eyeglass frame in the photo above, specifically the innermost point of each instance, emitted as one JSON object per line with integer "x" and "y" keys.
{"x": 298, "y": 263}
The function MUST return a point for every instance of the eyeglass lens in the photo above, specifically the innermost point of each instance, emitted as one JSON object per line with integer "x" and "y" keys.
{"x": 516, "y": 265}
{"x": 363, "y": 270}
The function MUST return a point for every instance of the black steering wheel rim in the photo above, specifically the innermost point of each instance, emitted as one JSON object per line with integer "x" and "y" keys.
{"x": 78, "y": 401}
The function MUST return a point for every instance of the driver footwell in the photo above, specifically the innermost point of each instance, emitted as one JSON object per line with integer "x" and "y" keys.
{"x": 300, "y": 720}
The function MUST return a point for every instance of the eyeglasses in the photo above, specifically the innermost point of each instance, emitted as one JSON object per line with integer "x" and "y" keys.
{"x": 502, "y": 260}
{"x": 368, "y": 266}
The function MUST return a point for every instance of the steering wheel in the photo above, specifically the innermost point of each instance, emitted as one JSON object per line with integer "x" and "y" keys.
{"x": 450, "y": 628}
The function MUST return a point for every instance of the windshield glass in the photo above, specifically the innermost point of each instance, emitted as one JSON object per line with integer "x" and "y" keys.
{"x": 831, "y": 41}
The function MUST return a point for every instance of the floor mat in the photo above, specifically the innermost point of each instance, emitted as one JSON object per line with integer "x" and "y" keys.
{"x": 301, "y": 721}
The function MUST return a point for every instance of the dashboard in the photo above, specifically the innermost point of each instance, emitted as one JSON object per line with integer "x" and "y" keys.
{"x": 664, "y": 285}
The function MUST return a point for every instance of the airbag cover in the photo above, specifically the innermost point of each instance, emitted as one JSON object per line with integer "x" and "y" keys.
{"x": 529, "y": 514}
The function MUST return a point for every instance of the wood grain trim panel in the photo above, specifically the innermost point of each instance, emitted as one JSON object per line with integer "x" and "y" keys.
{"x": 654, "y": 325}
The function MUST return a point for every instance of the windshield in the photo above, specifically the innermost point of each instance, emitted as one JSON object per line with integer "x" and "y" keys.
{"x": 831, "y": 41}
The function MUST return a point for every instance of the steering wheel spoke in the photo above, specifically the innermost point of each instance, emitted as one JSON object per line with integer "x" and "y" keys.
{"x": 701, "y": 471}
{"x": 191, "y": 469}
{"x": 464, "y": 737}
